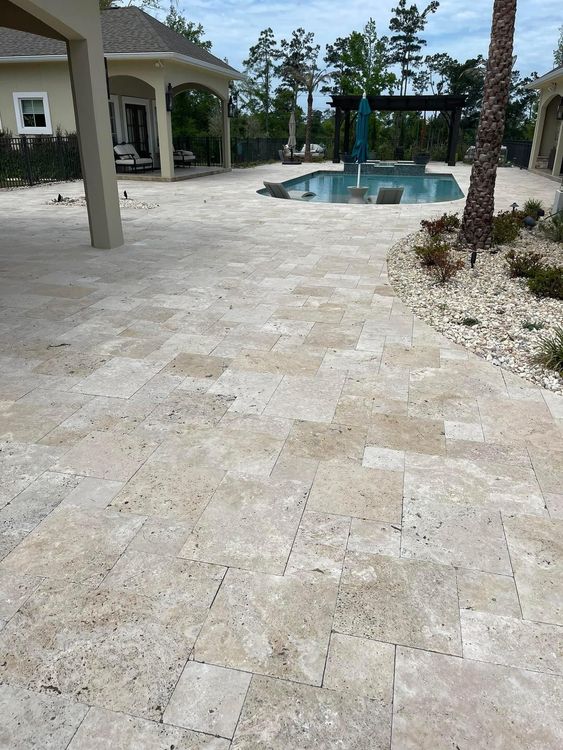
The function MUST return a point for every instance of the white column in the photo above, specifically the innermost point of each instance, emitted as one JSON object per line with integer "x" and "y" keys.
{"x": 164, "y": 125}
{"x": 88, "y": 80}
{"x": 538, "y": 133}
{"x": 558, "y": 153}
{"x": 226, "y": 135}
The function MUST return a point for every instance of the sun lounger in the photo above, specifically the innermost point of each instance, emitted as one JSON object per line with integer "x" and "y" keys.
{"x": 389, "y": 195}
{"x": 277, "y": 190}
{"x": 183, "y": 158}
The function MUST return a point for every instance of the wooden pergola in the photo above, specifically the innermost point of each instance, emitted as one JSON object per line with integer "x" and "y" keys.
{"x": 450, "y": 106}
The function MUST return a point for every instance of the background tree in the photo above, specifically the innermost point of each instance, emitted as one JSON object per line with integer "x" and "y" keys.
{"x": 558, "y": 51}
{"x": 297, "y": 53}
{"x": 194, "y": 32}
{"x": 476, "y": 228}
{"x": 309, "y": 80}
{"x": 360, "y": 62}
{"x": 405, "y": 43}
{"x": 260, "y": 70}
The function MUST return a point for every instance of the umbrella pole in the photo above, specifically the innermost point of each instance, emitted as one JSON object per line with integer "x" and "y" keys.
{"x": 359, "y": 173}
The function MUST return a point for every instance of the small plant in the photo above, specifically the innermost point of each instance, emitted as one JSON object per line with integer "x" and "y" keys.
{"x": 547, "y": 282}
{"x": 523, "y": 265}
{"x": 553, "y": 227}
{"x": 470, "y": 322}
{"x": 437, "y": 256}
{"x": 533, "y": 208}
{"x": 550, "y": 352}
{"x": 436, "y": 227}
{"x": 506, "y": 227}
{"x": 529, "y": 325}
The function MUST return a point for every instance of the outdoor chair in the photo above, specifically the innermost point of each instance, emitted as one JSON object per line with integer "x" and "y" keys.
{"x": 277, "y": 190}
{"x": 183, "y": 158}
{"x": 389, "y": 195}
{"x": 126, "y": 156}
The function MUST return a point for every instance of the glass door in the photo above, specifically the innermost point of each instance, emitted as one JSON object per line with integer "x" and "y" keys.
{"x": 137, "y": 128}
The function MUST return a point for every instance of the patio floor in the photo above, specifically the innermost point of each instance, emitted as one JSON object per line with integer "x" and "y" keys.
{"x": 248, "y": 501}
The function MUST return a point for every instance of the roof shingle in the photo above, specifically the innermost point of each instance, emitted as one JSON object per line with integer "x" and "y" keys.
{"x": 124, "y": 30}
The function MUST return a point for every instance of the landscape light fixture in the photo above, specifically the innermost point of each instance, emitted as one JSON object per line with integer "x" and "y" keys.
{"x": 169, "y": 98}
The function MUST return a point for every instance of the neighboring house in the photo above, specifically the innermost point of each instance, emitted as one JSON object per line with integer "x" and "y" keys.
{"x": 547, "y": 147}
{"x": 145, "y": 60}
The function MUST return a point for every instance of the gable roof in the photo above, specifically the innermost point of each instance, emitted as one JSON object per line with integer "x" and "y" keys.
{"x": 553, "y": 75}
{"x": 124, "y": 31}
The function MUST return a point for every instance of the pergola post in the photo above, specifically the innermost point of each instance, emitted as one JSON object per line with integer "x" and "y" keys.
{"x": 347, "y": 132}
{"x": 337, "y": 122}
{"x": 164, "y": 128}
{"x": 453, "y": 136}
{"x": 88, "y": 82}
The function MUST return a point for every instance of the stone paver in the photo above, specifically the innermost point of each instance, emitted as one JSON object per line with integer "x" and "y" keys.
{"x": 244, "y": 492}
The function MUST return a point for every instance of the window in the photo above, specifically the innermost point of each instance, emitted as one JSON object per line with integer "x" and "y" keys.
{"x": 32, "y": 113}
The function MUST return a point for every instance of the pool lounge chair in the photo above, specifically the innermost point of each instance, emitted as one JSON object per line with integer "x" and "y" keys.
{"x": 389, "y": 195}
{"x": 277, "y": 190}
{"x": 126, "y": 157}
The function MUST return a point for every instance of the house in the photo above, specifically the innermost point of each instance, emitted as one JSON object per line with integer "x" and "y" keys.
{"x": 547, "y": 146}
{"x": 147, "y": 63}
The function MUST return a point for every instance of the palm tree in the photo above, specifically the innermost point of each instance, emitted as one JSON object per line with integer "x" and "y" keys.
{"x": 476, "y": 227}
{"x": 308, "y": 79}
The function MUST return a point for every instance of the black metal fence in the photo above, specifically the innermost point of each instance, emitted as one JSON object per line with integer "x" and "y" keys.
{"x": 29, "y": 161}
{"x": 208, "y": 149}
{"x": 518, "y": 152}
{"x": 253, "y": 150}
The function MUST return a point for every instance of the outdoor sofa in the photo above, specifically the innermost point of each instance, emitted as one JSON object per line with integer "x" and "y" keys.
{"x": 184, "y": 158}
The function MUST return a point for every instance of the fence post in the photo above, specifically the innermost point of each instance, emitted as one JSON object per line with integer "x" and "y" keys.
{"x": 26, "y": 159}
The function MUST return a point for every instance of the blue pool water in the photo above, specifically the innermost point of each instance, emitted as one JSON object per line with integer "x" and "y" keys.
{"x": 331, "y": 187}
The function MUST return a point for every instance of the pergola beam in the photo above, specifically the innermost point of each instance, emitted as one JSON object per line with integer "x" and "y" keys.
{"x": 346, "y": 103}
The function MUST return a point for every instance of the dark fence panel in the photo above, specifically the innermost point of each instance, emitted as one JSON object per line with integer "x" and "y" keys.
{"x": 30, "y": 161}
{"x": 249, "y": 150}
{"x": 208, "y": 149}
{"x": 518, "y": 152}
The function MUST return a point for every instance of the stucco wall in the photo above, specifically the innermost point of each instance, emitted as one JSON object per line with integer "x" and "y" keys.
{"x": 50, "y": 77}
{"x": 550, "y": 128}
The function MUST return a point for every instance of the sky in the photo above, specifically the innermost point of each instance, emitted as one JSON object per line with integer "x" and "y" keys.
{"x": 459, "y": 27}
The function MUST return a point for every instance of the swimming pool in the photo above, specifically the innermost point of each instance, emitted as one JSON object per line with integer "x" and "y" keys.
{"x": 331, "y": 187}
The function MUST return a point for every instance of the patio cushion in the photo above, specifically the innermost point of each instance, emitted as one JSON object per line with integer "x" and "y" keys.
{"x": 129, "y": 162}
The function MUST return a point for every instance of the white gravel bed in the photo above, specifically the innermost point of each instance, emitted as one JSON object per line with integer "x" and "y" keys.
{"x": 123, "y": 203}
{"x": 487, "y": 293}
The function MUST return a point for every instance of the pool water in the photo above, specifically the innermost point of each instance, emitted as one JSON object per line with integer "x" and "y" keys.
{"x": 331, "y": 187}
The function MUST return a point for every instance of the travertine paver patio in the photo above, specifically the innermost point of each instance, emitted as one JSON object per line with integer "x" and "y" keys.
{"x": 248, "y": 501}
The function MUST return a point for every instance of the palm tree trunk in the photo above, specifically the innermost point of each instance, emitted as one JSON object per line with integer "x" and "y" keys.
{"x": 476, "y": 228}
{"x": 308, "y": 127}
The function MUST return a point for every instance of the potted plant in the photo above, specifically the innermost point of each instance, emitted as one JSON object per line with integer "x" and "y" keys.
{"x": 421, "y": 157}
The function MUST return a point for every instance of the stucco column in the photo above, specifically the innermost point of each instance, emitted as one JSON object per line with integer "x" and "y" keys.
{"x": 164, "y": 125}
{"x": 88, "y": 81}
{"x": 226, "y": 135}
{"x": 538, "y": 133}
{"x": 557, "y": 167}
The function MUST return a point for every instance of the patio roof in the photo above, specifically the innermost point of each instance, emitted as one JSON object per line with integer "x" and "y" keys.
{"x": 125, "y": 32}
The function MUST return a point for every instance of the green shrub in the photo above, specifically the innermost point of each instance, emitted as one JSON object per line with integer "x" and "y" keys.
{"x": 551, "y": 351}
{"x": 533, "y": 208}
{"x": 437, "y": 256}
{"x": 506, "y": 227}
{"x": 553, "y": 228}
{"x": 446, "y": 223}
{"x": 547, "y": 282}
{"x": 523, "y": 265}
{"x": 529, "y": 325}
